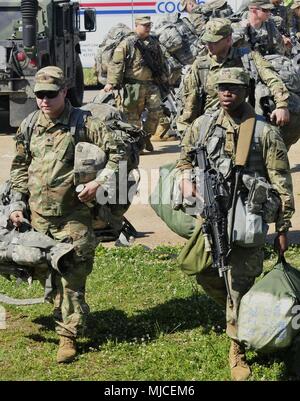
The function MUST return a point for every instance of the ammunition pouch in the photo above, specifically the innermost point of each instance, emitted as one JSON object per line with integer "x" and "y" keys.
{"x": 256, "y": 206}
{"x": 263, "y": 199}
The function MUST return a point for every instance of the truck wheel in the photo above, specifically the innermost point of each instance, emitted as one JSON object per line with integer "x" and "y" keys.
{"x": 75, "y": 94}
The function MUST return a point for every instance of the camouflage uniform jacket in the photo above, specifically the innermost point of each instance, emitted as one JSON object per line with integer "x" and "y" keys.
{"x": 128, "y": 65}
{"x": 45, "y": 170}
{"x": 267, "y": 39}
{"x": 275, "y": 165}
{"x": 201, "y": 80}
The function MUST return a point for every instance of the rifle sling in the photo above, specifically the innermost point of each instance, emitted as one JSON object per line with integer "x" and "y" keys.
{"x": 245, "y": 137}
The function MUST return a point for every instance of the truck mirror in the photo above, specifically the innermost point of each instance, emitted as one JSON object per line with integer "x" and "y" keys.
{"x": 90, "y": 19}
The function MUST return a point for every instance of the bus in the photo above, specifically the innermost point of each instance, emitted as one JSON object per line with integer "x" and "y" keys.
{"x": 111, "y": 12}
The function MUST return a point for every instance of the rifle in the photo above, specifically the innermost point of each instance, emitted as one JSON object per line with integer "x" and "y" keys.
{"x": 215, "y": 213}
{"x": 155, "y": 68}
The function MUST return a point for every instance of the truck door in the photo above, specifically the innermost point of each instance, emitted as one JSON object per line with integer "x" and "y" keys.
{"x": 64, "y": 46}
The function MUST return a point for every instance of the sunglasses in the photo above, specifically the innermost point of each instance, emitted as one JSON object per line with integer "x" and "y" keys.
{"x": 47, "y": 94}
{"x": 230, "y": 88}
{"x": 265, "y": 10}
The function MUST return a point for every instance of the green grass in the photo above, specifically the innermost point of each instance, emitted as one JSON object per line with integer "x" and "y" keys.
{"x": 148, "y": 321}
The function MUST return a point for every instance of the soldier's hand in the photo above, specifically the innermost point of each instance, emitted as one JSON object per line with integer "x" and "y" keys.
{"x": 280, "y": 117}
{"x": 287, "y": 42}
{"x": 188, "y": 189}
{"x": 16, "y": 218}
{"x": 108, "y": 88}
{"x": 89, "y": 192}
{"x": 281, "y": 243}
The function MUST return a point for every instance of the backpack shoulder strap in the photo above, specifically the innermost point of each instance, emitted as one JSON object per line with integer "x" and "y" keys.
{"x": 77, "y": 122}
{"x": 207, "y": 121}
{"x": 28, "y": 127}
{"x": 130, "y": 39}
{"x": 248, "y": 62}
{"x": 247, "y": 130}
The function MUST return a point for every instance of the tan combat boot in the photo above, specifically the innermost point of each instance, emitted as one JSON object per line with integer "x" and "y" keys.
{"x": 66, "y": 350}
{"x": 237, "y": 361}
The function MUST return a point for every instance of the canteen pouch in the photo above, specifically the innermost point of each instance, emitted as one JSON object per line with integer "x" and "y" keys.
{"x": 249, "y": 229}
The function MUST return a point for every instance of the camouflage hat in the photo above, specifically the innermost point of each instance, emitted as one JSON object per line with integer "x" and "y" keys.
{"x": 215, "y": 3}
{"x": 261, "y": 4}
{"x": 49, "y": 78}
{"x": 235, "y": 75}
{"x": 296, "y": 4}
{"x": 217, "y": 29}
{"x": 143, "y": 19}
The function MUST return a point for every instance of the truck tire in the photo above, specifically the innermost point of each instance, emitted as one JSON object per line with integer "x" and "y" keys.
{"x": 75, "y": 94}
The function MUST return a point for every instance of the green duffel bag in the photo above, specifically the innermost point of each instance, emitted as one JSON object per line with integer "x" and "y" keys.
{"x": 181, "y": 223}
{"x": 269, "y": 312}
{"x": 193, "y": 257}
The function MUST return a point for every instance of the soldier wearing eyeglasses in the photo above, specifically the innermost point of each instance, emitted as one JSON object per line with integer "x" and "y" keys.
{"x": 259, "y": 31}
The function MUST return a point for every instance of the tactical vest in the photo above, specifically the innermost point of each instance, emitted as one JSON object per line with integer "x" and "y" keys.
{"x": 263, "y": 40}
{"x": 214, "y": 137}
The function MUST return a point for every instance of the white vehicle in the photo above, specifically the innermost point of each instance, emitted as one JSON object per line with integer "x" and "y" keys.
{"x": 110, "y": 12}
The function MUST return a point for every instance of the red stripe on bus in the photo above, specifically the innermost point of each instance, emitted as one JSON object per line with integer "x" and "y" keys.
{"x": 128, "y": 4}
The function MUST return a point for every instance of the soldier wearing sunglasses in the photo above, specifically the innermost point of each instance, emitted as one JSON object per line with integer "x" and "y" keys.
{"x": 42, "y": 173}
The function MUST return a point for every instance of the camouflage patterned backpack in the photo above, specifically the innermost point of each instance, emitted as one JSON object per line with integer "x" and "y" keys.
{"x": 178, "y": 36}
{"x": 106, "y": 49}
{"x": 285, "y": 69}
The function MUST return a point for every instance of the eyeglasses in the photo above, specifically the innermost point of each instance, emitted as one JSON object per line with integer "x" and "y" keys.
{"x": 47, "y": 94}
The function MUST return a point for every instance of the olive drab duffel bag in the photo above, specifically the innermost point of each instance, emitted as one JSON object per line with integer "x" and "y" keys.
{"x": 269, "y": 312}
{"x": 162, "y": 202}
{"x": 193, "y": 258}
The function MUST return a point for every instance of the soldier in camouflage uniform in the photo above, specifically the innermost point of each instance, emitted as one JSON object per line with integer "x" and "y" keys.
{"x": 129, "y": 71}
{"x": 267, "y": 158}
{"x": 199, "y": 85}
{"x": 43, "y": 171}
{"x": 195, "y": 14}
{"x": 260, "y": 32}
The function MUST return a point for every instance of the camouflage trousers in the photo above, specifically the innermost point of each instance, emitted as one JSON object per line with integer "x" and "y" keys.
{"x": 163, "y": 126}
{"x": 146, "y": 104}
{"x": 70, "y": 287}
{"x": 246, "y": 264}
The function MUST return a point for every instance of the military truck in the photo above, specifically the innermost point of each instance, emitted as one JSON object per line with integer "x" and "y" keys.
{"x": 34, "y": 34}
